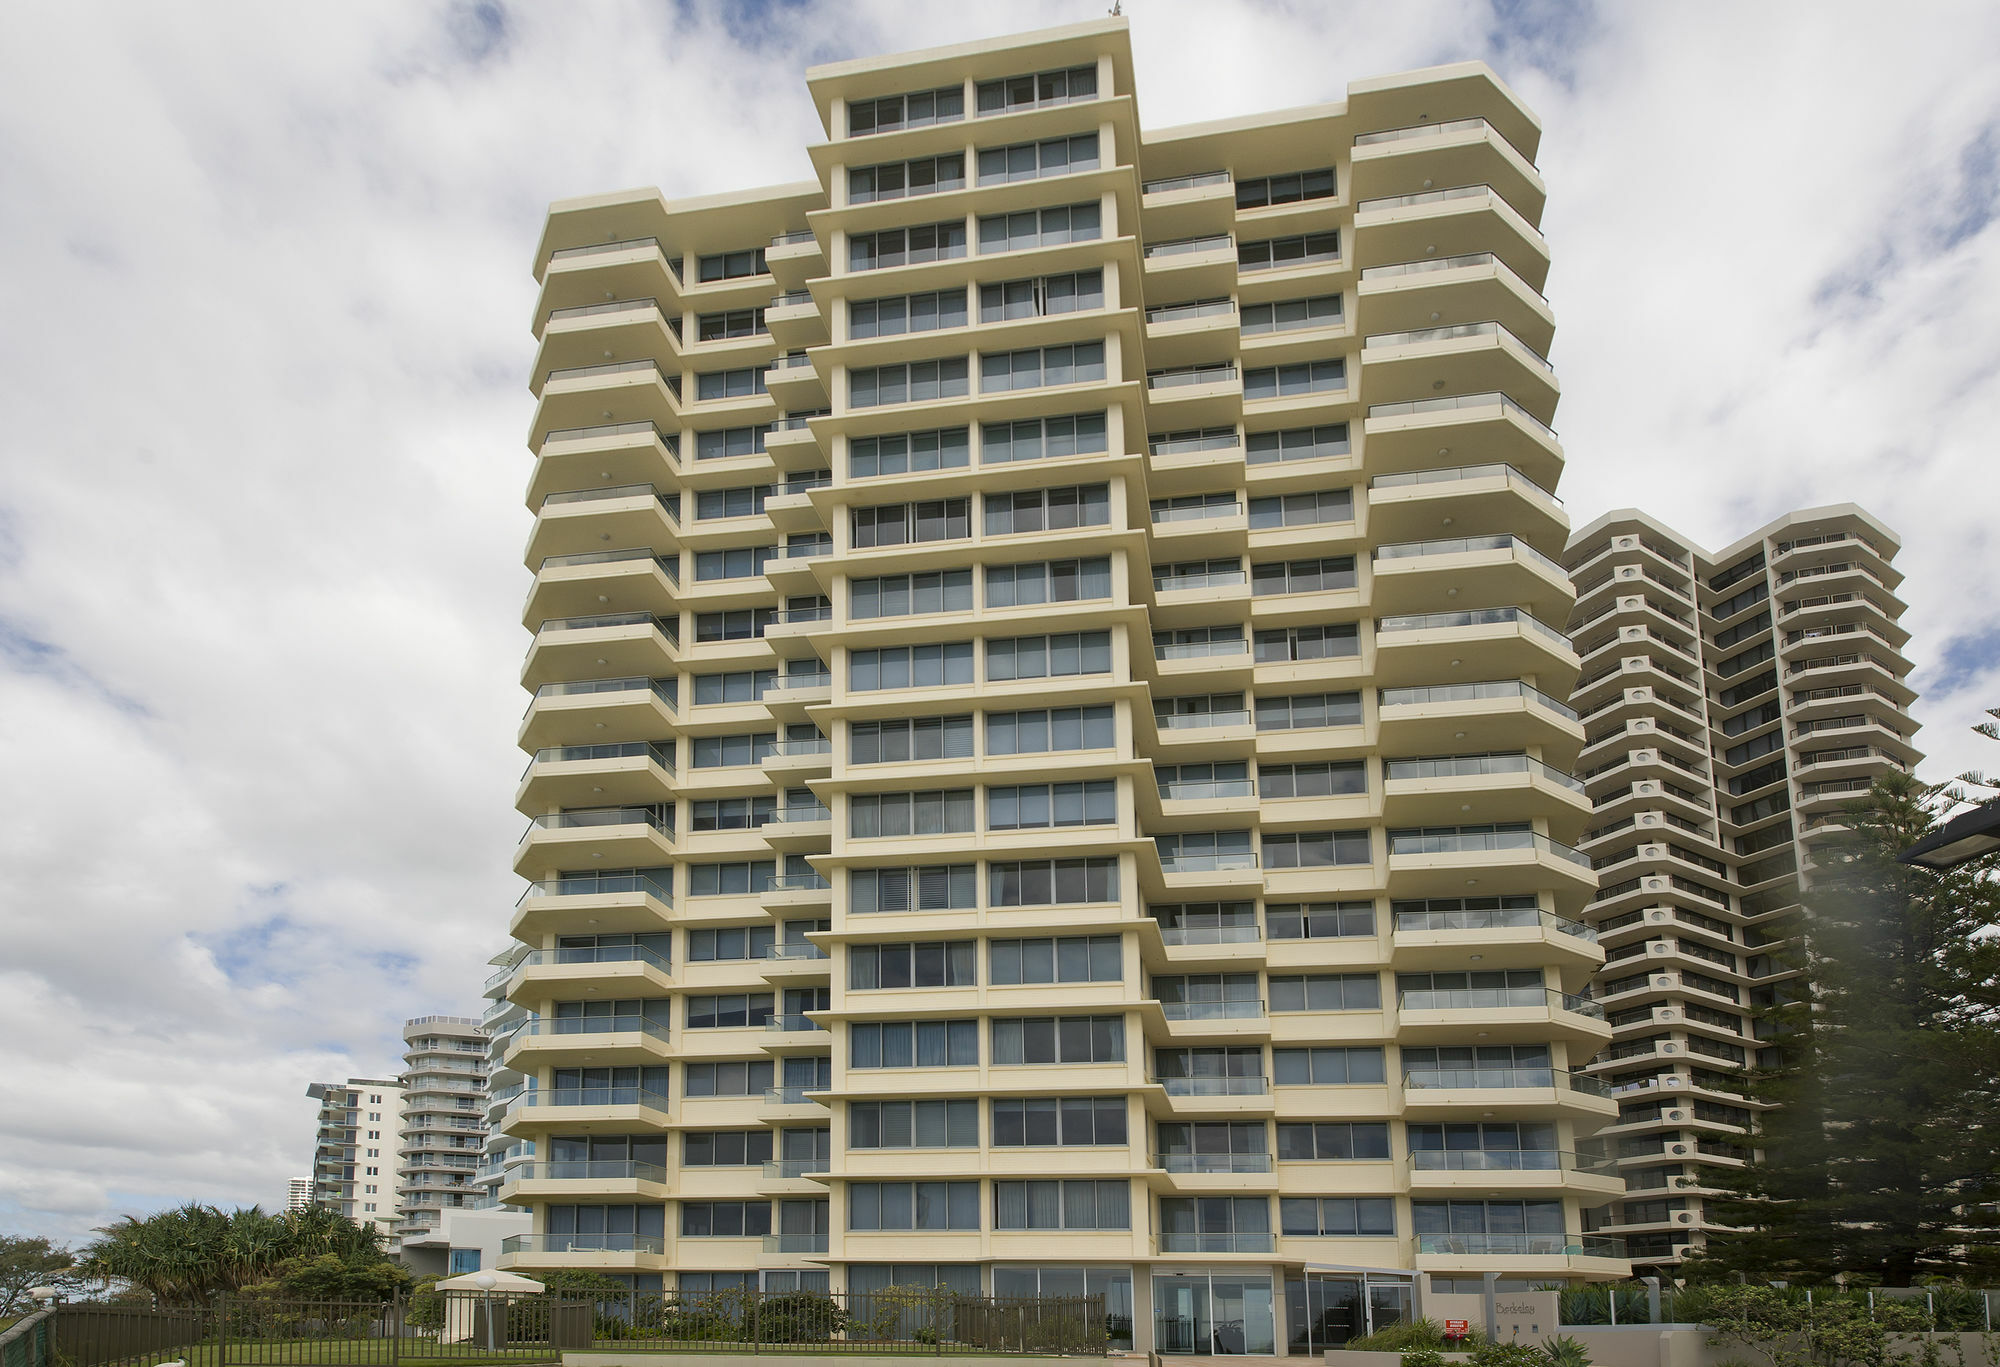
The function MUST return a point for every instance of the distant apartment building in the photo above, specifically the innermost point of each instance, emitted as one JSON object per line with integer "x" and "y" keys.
{"x": 444, "y": 1121}
{"x": 299, "y": 1193}
{"x": 357, "y": 1150}
{"x": 1050, "y": 753}
{"x": 1733, "y": 702}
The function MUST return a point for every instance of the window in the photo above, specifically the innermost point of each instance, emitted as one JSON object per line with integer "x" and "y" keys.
{"x": 937, "y": 812}
{"x": 711, "y": 752}
{"x": 725, "y": 1148}
{"x": 1072, "y": 1120}
{"x": 900, "y": 524}
{"x": 1036, "y": 806}
{"x": 917, "y": 382}
{"x": 917, "y": 109}
{"x": 1279, "y": 252}
{"x": 738, "y": 687}
{"x": 1041, "y": 438}
{"x": 1039, "y": 228}
{"x": 723, "y": 327}
{"x": 1051, "y": 882}
{"x": 940, "y": 449}
{"x": 1073, "y": 1204}
{"x": 738, "y": 562}
{"x": 892, "y": 317}
{"x": 1219, "y": 1139}
{"x": 1303, "y": 710}
{"x": 1332, "y": 641}
{"x": 743, "y": 625}
{"x": 1285, "y": 189}
{"x": 1041, "y": 297}
{"x": 1061, "y": 959}
{"x": 1330, "y": 779}
{"x": 1493, "y": 1225}
{"x": 933, "y": 887}
{"x": 912, "y": 1205}
{"x": 1287, "y": 381}
{"x": 1297, "y": 443}
{"x": 1040, "y": 510}
{"x": 1044, "y": 88}
{"x": 745, "y": 502}
{"x": 1048, "y": 657}
{"x": 924, "y": 963}
{"x": 736, "y": 942}
{"x": 1040, "y": 367}
{"x": 740, "y": 1077}
{"x": 727, "y": 442}
{"x": 910, "y": 667}
{"x": 1318, "y": 920}
{"x": 731, "y": 265}
{"x": 1199, "y": 1219}
{"x": 1302, "y": 510}
{"x": 1308, "y": 1216}
{"x": 1303, "y": 576}
{"x": 1207, "y": 922}
{"x": 729, "y": 384}
{"x": 905, "y": 595}
{"x": 1315, "y": 849}
{"x": 909, "y": 738}
{"x": 952, "y": 1124}
{"x": 1047, "y": 581}
{"x": 898, "y": 179}
{"x": 1057, "y": 1039}
{"x": 906, "y": 246}
{"x": 913, "y": 1044}
{"x": 725, "y": 1219}
{"x": 730, "y": 880}
{"x": 1034, "y": 160}
{"x": 1042, "y": 731}
{"x": 1325, "y": 991}
{"x": 730, "y": 1009}
{"x": 1306, "y": 1142}
{"x": 1326, "y": 1067}
{"x": 1322, "y": 310}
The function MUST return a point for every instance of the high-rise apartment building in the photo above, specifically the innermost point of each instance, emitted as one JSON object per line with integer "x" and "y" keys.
{"x": 1051, "y": 762}
{"x": 501, "y": 1017}
{"x": 444, "y": 1121}
{"x": 299, "y": 1193}
{"x": 356, "y": 1149}
{"x": 1733, "y": 703}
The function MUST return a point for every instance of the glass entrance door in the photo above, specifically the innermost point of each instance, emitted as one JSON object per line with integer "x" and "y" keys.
{"x": 1206, "y": 1315}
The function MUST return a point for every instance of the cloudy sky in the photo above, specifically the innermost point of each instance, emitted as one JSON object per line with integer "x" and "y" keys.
{"x": 263, "y": 345}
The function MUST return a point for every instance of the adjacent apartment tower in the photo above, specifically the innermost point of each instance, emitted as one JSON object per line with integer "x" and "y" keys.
{"x": 1733, "y": 703}
{"x": 1050, "y": 734}
{"x": 355, "y": 1152}
{"x": 444, "y": 1122}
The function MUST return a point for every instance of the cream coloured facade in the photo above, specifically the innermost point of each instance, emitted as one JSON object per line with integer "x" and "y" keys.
{"x": 355, "y": 1149}
{"x": 1733, "y": 703}
{"x": 1050, "y": 762}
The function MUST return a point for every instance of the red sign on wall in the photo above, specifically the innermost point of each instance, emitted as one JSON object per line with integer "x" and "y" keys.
{"x": 1457, "y": 1329}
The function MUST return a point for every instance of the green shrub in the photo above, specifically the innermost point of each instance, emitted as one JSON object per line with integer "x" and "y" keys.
{"x": 1396, "y": 1338}
{"x": 1508, "y": 1355}
{"x": 1421, "y": 1357}
{"x": 1564, "y": 1351}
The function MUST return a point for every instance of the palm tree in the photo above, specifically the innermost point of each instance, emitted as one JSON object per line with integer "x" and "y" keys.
{"x": 190, "y": 1253}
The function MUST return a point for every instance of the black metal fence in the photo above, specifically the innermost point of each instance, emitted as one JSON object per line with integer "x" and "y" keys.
{"x": 896, "y": 1319}
{"x": 465, "y": 1328}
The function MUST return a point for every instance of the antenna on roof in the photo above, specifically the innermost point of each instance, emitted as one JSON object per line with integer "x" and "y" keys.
{"x": 1117, "y": 8}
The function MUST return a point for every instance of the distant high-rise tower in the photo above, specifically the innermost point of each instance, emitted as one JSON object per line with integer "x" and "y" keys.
{"x": 299, "y": 1193}
{"x": 444, "y": 1120}
{"x": 355, "y": 1157}
{"x": 1733, "y": 702}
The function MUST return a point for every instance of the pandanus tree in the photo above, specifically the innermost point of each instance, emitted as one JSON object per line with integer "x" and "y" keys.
{"x": 188, "y": 1254}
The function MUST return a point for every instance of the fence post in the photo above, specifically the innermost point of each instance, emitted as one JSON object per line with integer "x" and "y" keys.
{"x": 221, "y": 1313}
{"x": 395, "y": 1326}
{"x": 756, "y": 1321}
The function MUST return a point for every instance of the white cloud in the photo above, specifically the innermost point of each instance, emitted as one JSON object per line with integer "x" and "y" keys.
{"x": 260, "y": 526}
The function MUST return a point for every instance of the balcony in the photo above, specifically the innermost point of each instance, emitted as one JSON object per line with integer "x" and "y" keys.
{"x": 1189, "y": 1241}
{"x": 1479, "y": 500}
{"x": 1418, "y": 647}
{"x": 617, "y": 454}
{"x": 633, "y": 579}
{"x": 599, "y": 711}
{"x": 1405, "y": 366}
{"x": 1592, "y": 1255}
{"x": 616, "y": 901}
{"x": 615, "y": 642}
{"x": 1452, "y": 222}
{"x": 638, "y": 330}
{"x": 618, "y": 392}
{"x": 1468, "y": 789}
{"x": 1212, "y": 1163}
{"x": 615, "y": 1251}
{"x": 1192, "y": 267}
{"x": 555, "y": 1041}
{"x": 1412, "y": 294}
{"x": 570, "y": 1108}
{"x": 1412, "y": 576}
{"x": 1214, "y": 1086}
{"x": 1482, "y": 1172}
{"x": 1202, "y": 203}
{"x": 803, "y": 827}
{"x": 1506, "y": 712}
{"x": 1504, "y": 937}
{"x": 1527, "y": 1015}
{"x": 1195, "y": 395}
{"x": 624, "y": 268}
{"x": 795, "y": 1244}
{"x": 636, "y": 772}
{"x": 571, "y": 1180}
{"x": 1406, "y": 437}
{"x": 1448, "y": 152}
{"x": 641, "y": 836}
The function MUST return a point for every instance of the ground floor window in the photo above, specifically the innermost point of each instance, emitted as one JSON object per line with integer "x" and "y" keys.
{"x": 1324, "y": 1312}
{"x": 1112, "y": 1283}
{"x": 1205, "y": 1313}
{"x": 464, "y": 1260}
